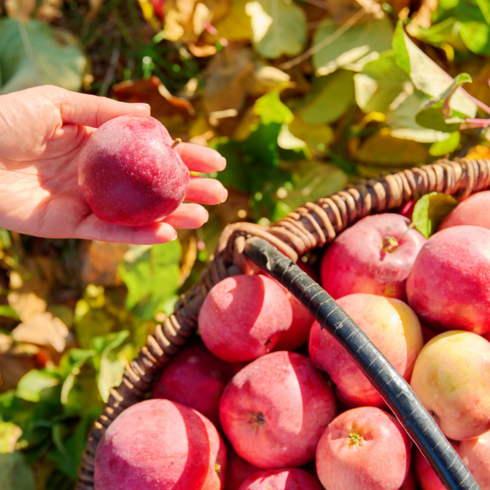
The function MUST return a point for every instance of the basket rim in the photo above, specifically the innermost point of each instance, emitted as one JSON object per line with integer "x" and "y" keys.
{"x": 310, "y": 226}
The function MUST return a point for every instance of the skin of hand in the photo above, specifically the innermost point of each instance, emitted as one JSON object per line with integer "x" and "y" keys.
{"x": 42, "y": 132}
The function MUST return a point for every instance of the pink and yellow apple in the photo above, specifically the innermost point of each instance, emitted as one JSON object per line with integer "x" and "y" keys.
{"x": 275, "y": 410}
{"x": 449, "y": 284}
{"x": 451, "y": 378}
{"x": 195, "y": 378}
{"x": 472, "y": 211}
{"x": 373, "y": 256}
{"x": 243, "y": 317}
{"x": 363, "y": 448}
{"x": 160, "y": 444}
{"x": 283, "y": 479}
{"x": 393, "y": 328}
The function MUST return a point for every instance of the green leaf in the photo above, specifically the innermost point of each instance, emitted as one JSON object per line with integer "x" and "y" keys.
{"x": 9, "y": 434}
{"x": 37, "y": 384}
{"x": 441, "y": 148}
{"x": 5, "y": 241}
{"x": 425, "y": 74}
{"x": 437, "y": 112}
{"x": 71, "y": 363}
{"x": 475, "y": 25}
{"x": 152, "y": 279}
{"x": 383, "y": 149}
{"x": 330, "y": 98}
{"x": 379, "y": 83}
{"x": 109, "y": 366}
{"x": 401, "y": 120}
{"x": 8, "y": 312}
{"x": 353, "y": 48}
{"x": 430, "y": 210}
{"x": 34, "y": 53}
{"x": 15, "y": 474}
{"x": 316, "y": 136}
{"x": 271, "y": 110}
{"x": 447, "y": 31}
{"x": 278, "y": 26}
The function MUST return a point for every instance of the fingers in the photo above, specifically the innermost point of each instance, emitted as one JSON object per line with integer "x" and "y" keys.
{"x": 206, "y": 191}
{"x": 200, "y": 158}
{"x": 190, "y": 216}
{"x": 90, "y": 110}
{"x": 91, "y": 228}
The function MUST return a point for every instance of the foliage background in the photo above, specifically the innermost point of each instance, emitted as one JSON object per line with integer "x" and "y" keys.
{"x": 301, "y": 97}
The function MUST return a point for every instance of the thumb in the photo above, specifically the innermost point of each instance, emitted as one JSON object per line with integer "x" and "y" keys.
{"x": 91, "y": 110}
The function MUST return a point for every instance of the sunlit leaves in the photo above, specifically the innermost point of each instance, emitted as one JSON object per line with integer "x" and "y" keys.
{"x": 278, "y": 26}
{"x": 33, "y": 53}
{"x": 430, "y": 210}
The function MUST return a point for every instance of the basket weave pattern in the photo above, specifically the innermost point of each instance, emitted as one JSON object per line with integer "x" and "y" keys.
{"x": 310, "y": 226}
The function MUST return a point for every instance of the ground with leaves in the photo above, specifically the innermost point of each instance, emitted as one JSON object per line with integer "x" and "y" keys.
{"x": 301, "y": 97}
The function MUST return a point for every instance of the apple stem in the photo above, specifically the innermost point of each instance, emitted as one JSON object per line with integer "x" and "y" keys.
{"x": 176, "y": 142}
{"x": 390, "y": 243}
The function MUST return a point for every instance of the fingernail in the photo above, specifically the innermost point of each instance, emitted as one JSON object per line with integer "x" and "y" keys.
{"x": 207, "y": 216}
{"x": 225, "y": 195}
{"x": 143, "y": 107}
{"x": 175, "y": 236}
{"x": 223, "y": 163}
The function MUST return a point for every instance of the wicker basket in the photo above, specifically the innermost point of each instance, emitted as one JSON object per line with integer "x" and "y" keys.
{"x": 310, "y": 226}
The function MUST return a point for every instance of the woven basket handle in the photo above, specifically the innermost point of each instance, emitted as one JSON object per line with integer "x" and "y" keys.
{"x": 390, "y": 384}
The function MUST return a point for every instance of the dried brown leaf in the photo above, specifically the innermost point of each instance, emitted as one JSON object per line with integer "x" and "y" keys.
{"x": 43, "y": 329}
{"x": 100, "y": 261}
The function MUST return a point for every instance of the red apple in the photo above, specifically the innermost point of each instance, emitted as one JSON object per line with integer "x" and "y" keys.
{"x": 449, "y": 284}
{"x": 129, "y": 173}
{"x": 373, "y": 256}
{"x": 275, "y": 410}
{"x": 160, "y": 444}
{"x": 451, "y": 378}
{"x": 243, "y": 317}
{"x": 410, "y": 482}
{"x": 472, "y": 211}
{"x": 363, "y": 448}
{"x": 195, "y": 378}
{"x": 393, "y": 328}
{"x": 237, "y": 470}
{"x": 283, "y": 479}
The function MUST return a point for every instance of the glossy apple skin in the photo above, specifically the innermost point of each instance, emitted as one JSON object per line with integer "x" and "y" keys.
{"x": 451, "y": 378}
{"x": 160, "y": 444}
{"x": 393, "y": 328}
{"x": 376, "y": 458}
{"x": 473, "y": 211}
{"x": 275, "y": 410}
{"x": 282, "y": 479}
{"x": 195, "y": 378}
{"x": 129, "y": 173}
{"x": 243, "y": 317}
{"x": 356, "y": 263}
{"x": 237, "y": 469}
{"x": 449, "y": 284}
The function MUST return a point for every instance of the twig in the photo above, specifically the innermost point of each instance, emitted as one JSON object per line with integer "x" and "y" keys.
{"x": 479, "y": 103}
{"x": 314, "y": 49}
{"x": 111, "y": 70}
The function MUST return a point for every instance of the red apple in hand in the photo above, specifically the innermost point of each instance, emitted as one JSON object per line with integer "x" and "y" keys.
{"x": 374, "y": 256}
{"x": 243, "y": 317}
{"x": 160, "y": 444}
{"x": 130, "y": 174}
{"x": 393, "y": 328}
{"x": 275, "y": 410}
{"x": 283, "y": 479}
{"x": 363, "y": 448}
{"x": 449, "y": 284}
{"x": 195, "y": 378}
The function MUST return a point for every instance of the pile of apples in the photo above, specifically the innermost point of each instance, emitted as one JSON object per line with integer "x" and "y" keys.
{"x": 267, "y": 400}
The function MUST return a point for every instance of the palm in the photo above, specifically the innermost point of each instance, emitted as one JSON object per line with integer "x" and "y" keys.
{"x": 38, "y": 174}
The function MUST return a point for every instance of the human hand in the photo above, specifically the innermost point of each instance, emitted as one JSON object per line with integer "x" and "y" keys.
{"x": 42, "y": 132}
